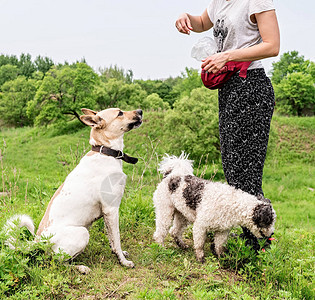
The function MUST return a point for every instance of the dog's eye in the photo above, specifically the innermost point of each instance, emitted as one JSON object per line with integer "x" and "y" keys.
{"x": 120, "y": 114}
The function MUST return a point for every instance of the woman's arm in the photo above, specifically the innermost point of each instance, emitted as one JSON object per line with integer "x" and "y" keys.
{"x": 186, "y": 23}
{"x": 269, "y": 31}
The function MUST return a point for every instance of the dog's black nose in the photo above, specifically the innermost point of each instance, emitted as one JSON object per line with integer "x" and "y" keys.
{"x": 139, "y": 111}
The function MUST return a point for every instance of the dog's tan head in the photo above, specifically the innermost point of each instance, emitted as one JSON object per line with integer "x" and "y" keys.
{"x": 110, "y": 124}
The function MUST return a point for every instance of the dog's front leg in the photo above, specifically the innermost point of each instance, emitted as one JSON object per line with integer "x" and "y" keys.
{"x": 179, "y": 225}
{"x": 199, "y": 235}
{"x": 163, "y": 221}
{"x": 111, "y": 220}
{"x": 220, "y": 239}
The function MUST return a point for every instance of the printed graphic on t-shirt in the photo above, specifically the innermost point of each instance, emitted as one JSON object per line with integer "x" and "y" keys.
{"x": 224, "y": 34}
{"x": 220, "y": 33}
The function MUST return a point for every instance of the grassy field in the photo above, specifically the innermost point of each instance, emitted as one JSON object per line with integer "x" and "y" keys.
{"x": 34, "y": 162}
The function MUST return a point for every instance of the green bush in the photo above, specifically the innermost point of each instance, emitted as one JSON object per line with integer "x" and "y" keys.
{"x": 154, "y": 102}
{"x": 293, "y": 78}
{"x": 13, "y": 101}
{"x": 27, "y": 271}
{"x": 295, "y": 94}
{"x": 193, "y": 125}
{"x": 117, "y": 93}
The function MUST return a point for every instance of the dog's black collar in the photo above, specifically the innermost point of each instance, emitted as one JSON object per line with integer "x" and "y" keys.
{"x": 115, "y": 153}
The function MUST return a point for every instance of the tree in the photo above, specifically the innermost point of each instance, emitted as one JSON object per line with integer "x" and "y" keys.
{"x": 191, "y": 80}
{"x": 294, "y": 79}
{"x": 307, "y": 67}
{"x": 107, "y": 93}
{"x": 26, "y": 66}
{"x": 296, "y": 94}
{"x": 43, "y": 64}
{"x": 131, "y": 96}
{"x": 13, "y": 101}
{"x": 116, "y": 73}
{"x": 8, "y": 60}
{"x": 7, "y": 73}
{"x": 193, "y": 124}
{"x": 154, "y": 102}
{"x": 117, "y": 93}
{"x": 63, "y": 92}
{"x": 163, "y": 88}
{"x": 281, "y": 68}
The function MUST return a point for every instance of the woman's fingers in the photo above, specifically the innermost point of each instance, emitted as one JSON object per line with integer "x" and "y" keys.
{"x": 183, "y": 24}
{"x": 207, "y": 64}
{"x": 214, "y": 63}
{"x": 189, "y": 24}
{"x": 182, "y": 27}
{"x": 210, "y": 67}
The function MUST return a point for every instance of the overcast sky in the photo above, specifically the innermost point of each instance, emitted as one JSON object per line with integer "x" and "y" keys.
{"x": 138, "y": 35}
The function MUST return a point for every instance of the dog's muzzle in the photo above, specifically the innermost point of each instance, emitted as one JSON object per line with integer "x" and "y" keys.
{"x": 137, "y": 120}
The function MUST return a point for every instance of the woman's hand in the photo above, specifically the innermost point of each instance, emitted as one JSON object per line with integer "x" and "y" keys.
{"x": 183, "y": 24}
{"x": 216, "y": 62}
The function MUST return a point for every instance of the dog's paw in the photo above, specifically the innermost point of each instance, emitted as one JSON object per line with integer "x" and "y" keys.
{"x": 200, "y": 255}
{"x": 83, "y": 269}
{"x": 158, "y": 239}
{"x": 181, "y": 244}
{"x": 201, "y": 259}
{"x": 128, "y": 263}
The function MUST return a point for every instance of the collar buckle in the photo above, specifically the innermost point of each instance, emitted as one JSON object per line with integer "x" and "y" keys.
{"x": 101, "y": 148}
{"x": 120, "y": 154}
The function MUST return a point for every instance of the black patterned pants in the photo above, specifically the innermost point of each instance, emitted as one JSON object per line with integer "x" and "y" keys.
{"x": 245, "y": 110}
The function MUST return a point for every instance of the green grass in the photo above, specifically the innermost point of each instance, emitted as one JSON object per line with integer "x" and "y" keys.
{"x": 36, "y": 161}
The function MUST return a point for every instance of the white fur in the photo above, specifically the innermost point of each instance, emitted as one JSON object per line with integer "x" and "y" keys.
{"x": 222, "y": 207}
{"x": 178, "y": 164}
{"x": 14, "y": 222}
{"x": 79, "y": 201}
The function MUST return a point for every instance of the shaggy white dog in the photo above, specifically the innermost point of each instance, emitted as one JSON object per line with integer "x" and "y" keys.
{"x": 183, "y": 198}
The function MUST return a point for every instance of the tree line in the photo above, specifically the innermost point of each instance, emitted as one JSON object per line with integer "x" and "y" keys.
{"x": 38, "y": 92}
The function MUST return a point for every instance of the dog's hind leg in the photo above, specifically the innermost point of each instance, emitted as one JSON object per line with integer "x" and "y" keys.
{"x": 70, "y": 239}
{"x": 112, "y": 225}
{"x": 163, "y": 221}
{"x": 199, "y": 234}
{"x": 179, "y": 225}
{"x": 220, "y": 239}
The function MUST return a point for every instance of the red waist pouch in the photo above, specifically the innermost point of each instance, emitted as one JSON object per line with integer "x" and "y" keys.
{"x": 217, "y": 80}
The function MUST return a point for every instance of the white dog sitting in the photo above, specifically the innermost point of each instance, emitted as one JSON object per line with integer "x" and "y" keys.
{"x": 91, "y": 191}
{"x": 182, "y": 198}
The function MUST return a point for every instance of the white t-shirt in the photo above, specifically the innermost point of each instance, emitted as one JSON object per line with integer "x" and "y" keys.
{"x": 232, "y": 27}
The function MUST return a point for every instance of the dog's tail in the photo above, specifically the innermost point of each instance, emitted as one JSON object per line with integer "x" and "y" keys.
{"x": 172, "y": 163}
{"x": 12, "y": 224}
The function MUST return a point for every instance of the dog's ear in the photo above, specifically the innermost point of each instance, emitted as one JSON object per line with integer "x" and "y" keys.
{"x": 88, "y": 112}
{"x": 263, "y": 199}
{"x": 93, "y": 121}
{"x": 263, "y": 215}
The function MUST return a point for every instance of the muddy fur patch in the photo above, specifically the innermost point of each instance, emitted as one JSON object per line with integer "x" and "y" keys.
{"x": 174, "y": 183}
{"x": 263, "y": 216}
{"x": 193, "y": 191}
{"x": 167, "y": 173}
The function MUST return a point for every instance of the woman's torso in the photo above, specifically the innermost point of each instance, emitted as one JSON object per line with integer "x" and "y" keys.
{"x": 232, "y": 25}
